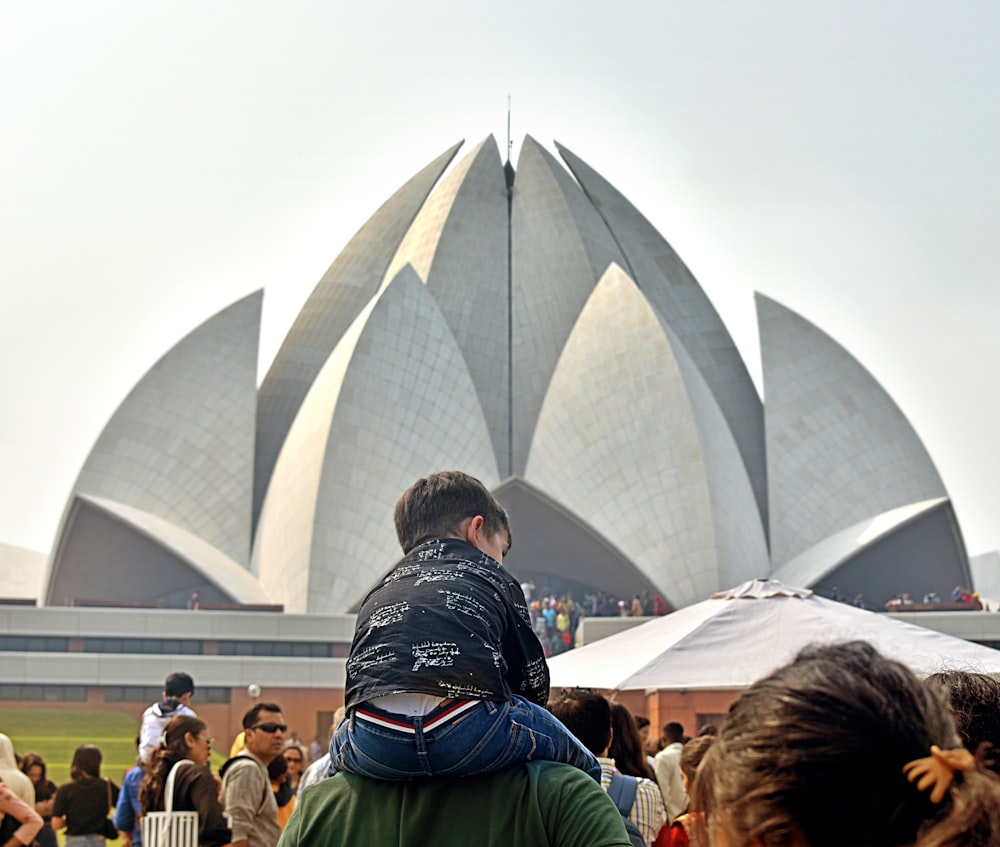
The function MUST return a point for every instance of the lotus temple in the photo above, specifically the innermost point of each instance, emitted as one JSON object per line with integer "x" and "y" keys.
{"x": 529, "y": 326}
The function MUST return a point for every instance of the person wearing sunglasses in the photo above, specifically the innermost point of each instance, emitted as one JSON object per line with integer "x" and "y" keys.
{"x": 246, "y": 786}
{"x": 298, "y": 758}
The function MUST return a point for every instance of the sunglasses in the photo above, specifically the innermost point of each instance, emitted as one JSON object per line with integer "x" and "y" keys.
{"x": 270, "y": 727}
{"x": 292, "y": 759}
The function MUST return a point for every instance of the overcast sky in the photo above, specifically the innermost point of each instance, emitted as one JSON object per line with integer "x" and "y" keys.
{"x": 162, "y": 160}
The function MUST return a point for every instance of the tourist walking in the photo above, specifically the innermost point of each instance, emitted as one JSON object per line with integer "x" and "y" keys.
{"x": 82, "y": 804}
{"x": 186, "y": 749}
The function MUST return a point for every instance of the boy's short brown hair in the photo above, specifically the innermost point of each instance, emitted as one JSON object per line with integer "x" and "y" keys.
{"x": 435, "y": 506}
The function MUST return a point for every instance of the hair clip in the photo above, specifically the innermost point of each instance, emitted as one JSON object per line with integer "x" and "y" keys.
{"x": 162, "y": 740}
{"x": 937, "y": 770}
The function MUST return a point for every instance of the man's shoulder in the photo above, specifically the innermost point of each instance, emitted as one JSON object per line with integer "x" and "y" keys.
{"x": 528, "y": 803}
{"x": 243, "y": 763}
{"x": 541, "y": 773}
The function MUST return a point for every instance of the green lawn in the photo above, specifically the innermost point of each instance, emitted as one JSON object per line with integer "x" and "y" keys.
{"x": 56, "y": 733}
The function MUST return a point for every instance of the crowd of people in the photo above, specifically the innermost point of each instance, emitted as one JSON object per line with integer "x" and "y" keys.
{"x": 449, "y": 735}
{"x": 842, "y": 744}
{"x": 554, "y": 618}
{"x": 247, "y": 803}
{"x": 903, "y": 600}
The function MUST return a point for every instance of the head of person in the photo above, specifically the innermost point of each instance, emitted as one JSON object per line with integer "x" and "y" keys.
{"x": 277, "y": 770}
{"x": 587, "y": 715}
{"x": 975, "y": 706}
{"x": 673, "y": 732}
{"x": 264, "y": 731}
{"x": 642, "y": 724}
{"x": 691, "y": 756}
{"x": 34, "y": 767}
{"x": 86, "y": 762}
{"x": 295, "y": 756}
{"x": 184, "y": 737}
{"x": 813, "y": 756}
{"x": 627, "y": 748}
{"x": 179, "y": 686}
{"x": 8, "y": 758}
{"x": 452, "y": 504}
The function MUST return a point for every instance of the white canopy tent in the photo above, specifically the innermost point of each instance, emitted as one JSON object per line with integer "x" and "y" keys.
{"x": 741, "y": 635}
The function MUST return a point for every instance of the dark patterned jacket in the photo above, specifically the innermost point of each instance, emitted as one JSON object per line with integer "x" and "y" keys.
{"x": 449, "y": 621}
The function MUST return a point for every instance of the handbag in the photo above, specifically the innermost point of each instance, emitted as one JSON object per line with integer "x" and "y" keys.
{"x": 108, "y": 829}
{"x": 169, "y": 828}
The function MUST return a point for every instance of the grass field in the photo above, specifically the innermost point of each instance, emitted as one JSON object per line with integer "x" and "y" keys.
{"x": 55, "y": 734}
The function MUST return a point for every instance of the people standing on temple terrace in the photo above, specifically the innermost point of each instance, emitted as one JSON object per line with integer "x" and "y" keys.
{"x": 247, "y": 798}
{"x": 33, "y": 766}
{"x": 19, "y": 822}
{"x": 445, "y": 675}
{"x": 539, "y": 625}
{"x": 82, "y": 804}
{"x": 177, "y": 693}
{"x": 975, "y": 705}
{"x": 667, "y": 765}
{"x": 684, "y": 828}
{"x": 549, "y": 613}
{"x": 843, "y": 746}
{"x": 10, "y": 772}
{"x": 185, "y": 750}
{"x": 587, "y": 714}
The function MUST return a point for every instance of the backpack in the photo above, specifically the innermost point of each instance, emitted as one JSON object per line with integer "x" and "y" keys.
{"x": 622, "y": 792}
{"x": 239, "y": 757}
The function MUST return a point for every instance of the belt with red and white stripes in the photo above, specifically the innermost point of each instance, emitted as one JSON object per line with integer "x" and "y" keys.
{"x": 403, "y": 724}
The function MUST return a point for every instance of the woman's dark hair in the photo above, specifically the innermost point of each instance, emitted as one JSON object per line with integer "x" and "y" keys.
{"x": 86, "y": 762}
{"x": 975, "y": 705}
{"x": 32, "y": 760}
{"x": 626, "y": 744}
{"x": 172, "y": 749}
{"x": 816, "y": 750}
{"x": 586, "y": 714}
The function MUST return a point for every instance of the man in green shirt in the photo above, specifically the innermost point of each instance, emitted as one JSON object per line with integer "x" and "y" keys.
{"x": 538, "y": 804}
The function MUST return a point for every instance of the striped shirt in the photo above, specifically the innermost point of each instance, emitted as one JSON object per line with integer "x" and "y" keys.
{"x": 647, "y": 813}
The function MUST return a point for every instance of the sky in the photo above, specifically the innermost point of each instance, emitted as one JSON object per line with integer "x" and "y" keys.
{"x": 162, "y": 160}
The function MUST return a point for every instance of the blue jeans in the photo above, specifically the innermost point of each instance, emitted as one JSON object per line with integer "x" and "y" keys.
{"x": 486, "y": 737}
{"x": 90, "y": 840}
